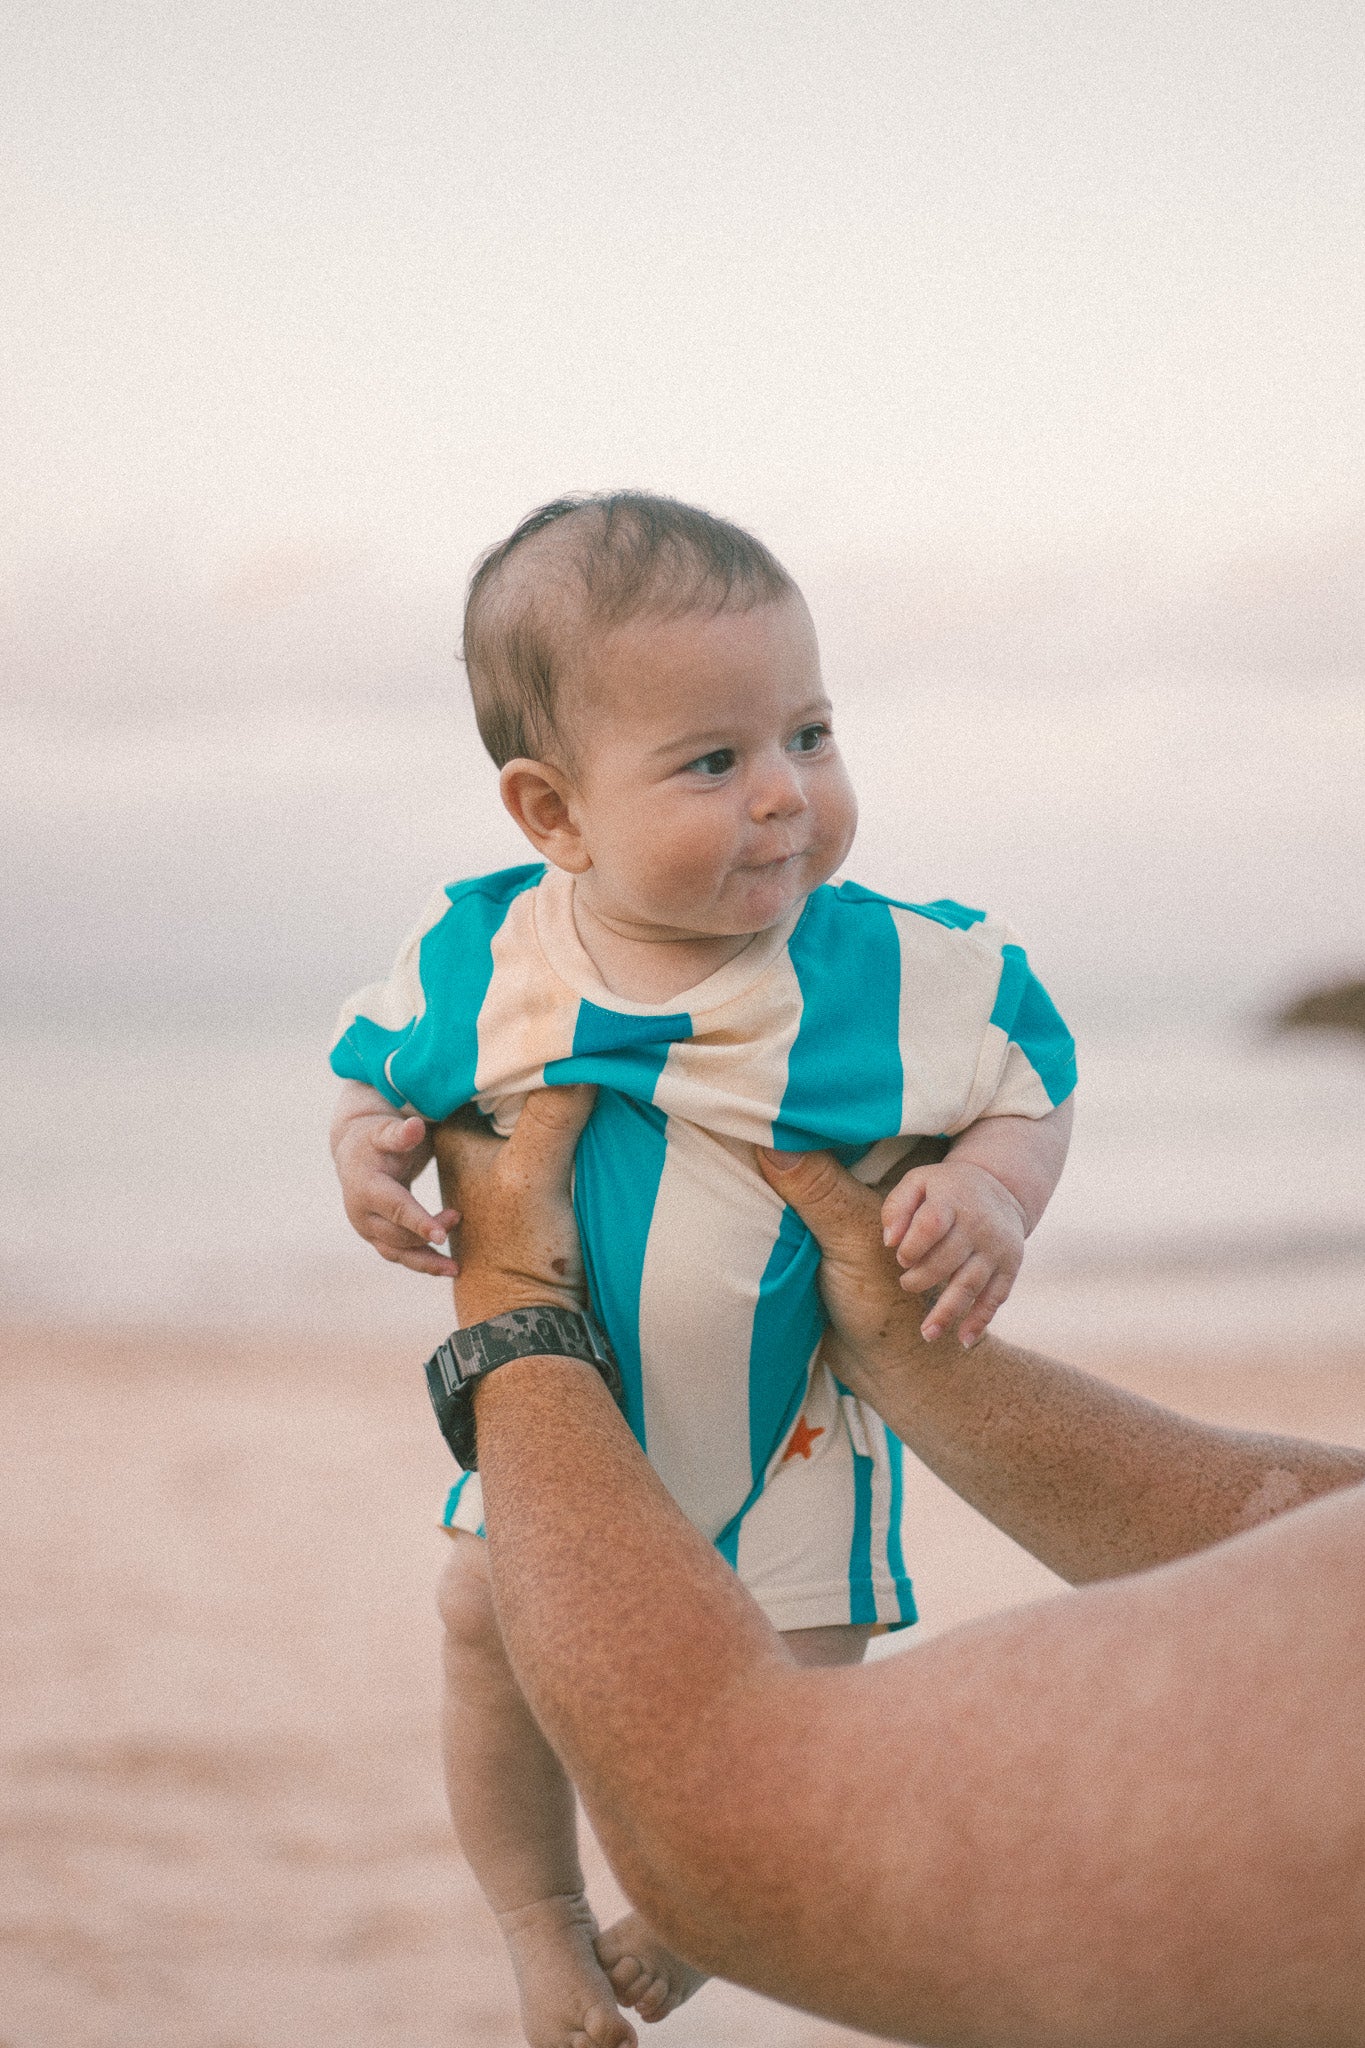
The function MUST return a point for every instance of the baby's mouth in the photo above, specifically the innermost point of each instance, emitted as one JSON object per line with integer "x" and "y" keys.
{"x": 779, "y": 860}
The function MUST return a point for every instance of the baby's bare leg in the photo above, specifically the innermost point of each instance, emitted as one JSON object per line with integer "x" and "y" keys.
{"x": 513, "y": 1810}
{"x": 646, "y": 1975}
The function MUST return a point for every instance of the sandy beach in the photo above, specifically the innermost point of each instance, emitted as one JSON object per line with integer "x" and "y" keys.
{"x": 223, "y": 1816}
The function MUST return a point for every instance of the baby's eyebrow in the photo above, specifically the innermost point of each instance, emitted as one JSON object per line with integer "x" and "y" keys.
{"x": 697, "y": 743}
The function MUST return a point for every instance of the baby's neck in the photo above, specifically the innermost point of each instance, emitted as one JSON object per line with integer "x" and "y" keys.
{"x": 650, "y": 968}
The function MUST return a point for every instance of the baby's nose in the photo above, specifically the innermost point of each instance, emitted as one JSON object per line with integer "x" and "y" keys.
{"x": 779, "y": 791}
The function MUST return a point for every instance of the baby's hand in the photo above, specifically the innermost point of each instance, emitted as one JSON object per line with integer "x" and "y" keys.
{"x": 377, "y": 1156}
{"x": 956, "y": 1228}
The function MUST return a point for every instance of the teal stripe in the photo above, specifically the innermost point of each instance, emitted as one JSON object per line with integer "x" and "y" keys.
{"x": 943, "y": 910}
{"x": 431, "y": 1062}
{"x": 895, "y": 1554}
{"x": 862, "y": 1600}
{"x": 844, "y": 1078}
{"x": 788, "y": 1323}
{"x": 616, "y": 1051}
{"x": 617, "y": 1170}
{"x": 436, "y": 1068}
{"x": 453, "y": 1500}
{"x": 362, "y": 1053}
{"x": 787, "y": 1326}
{"x": 1026, "y": 1014}
{"x": 1014, "y": 977}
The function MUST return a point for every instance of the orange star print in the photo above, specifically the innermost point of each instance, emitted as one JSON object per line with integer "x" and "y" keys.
{"x": 802, "y": 1437}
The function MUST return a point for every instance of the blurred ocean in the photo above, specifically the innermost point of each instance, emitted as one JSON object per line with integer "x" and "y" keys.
{"x": 191, "y": 895}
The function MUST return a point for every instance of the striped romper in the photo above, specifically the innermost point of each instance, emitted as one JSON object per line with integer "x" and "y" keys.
{"x": 857, "y": 1024}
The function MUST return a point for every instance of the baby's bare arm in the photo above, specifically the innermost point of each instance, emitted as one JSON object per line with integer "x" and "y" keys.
{"x": 1026, "y": 1154}
{"x": 378, "y": 1154}
{"x": 959, "y": 1227}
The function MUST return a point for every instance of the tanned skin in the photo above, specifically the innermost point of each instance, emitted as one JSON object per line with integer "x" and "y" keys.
{"x": 1130, "y": 1816}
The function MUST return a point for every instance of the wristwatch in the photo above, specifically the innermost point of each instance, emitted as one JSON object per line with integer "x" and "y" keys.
{"x": 469, "y": 1355}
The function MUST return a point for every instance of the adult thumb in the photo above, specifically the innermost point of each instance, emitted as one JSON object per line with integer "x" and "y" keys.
{"x": 837, "y": 1210}
{"x": 548, "y": 1130}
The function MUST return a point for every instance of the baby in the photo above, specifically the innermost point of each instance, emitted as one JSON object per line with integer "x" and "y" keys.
{"x": 647, "y": 680}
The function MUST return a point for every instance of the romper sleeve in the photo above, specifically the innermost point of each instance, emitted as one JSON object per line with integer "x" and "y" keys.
{"x": 380, "y": 1019}
{"x": 416, "y": 1036}
{"x": 1038, "y": 1067}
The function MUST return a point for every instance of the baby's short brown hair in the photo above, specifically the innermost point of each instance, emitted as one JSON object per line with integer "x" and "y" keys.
{"x": 580, "y": 566}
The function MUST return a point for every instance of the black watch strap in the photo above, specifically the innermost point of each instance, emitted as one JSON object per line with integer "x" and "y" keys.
{"x": 469, "y": 1355}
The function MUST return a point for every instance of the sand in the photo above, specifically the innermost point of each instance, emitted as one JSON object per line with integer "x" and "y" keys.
{"x": 222, "y": 1810}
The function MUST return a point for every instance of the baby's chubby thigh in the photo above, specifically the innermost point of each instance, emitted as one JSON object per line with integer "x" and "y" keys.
{"x": 840, "y": 1643}
{"x": 706, "y": 1283}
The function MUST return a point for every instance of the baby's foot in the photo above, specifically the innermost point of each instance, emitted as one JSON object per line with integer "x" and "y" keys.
{"x": 644, "y": 1973}
{"x": 566, "y": 1999}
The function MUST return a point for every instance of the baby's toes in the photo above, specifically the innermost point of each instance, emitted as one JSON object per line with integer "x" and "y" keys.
{"x": 655, "y": 2001}
{"x": 627, "y": 1977}
{"x": 605, "y": 2029}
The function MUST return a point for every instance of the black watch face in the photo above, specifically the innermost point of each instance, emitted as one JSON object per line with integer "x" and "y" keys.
{"x": 466, "y": 1355}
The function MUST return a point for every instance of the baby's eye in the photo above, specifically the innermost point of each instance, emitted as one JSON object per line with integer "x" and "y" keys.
{"x": 718, "y": 763}
{"x": 810, "y": 739}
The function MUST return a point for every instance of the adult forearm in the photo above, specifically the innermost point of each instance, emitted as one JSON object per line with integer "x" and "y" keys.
{"x": 634, "y": 1644}
{"x": 1093, "y": 1480}
{"x": 1128, "y": 1818}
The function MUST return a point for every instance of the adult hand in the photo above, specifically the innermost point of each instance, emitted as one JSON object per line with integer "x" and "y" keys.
{"x": 875, "y": 1325}
{"x": 518, "y": 1242}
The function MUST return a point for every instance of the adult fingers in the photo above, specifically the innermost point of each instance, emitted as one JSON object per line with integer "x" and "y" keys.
{"x": 841, "y": 1214}
{"x": 541, "y": 1148}
{"x": 464, "y": 1148}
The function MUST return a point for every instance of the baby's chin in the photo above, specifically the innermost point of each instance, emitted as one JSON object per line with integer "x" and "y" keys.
{"x": 764, "y": 902}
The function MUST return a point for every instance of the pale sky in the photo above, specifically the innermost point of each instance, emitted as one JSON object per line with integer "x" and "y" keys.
{"x": 365, "y": 282}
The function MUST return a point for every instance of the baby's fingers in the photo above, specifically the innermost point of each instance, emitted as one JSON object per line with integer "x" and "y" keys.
{"x": 934, "y": 1221}
{"x": 966, "y": 1285}
{"x": 419, "y": 1260}
{"x": 421, "y": 1251}
{"x": 393, "y": 1205}
{"x": 400, "y": 1134}
{"x": 974, "y": 1323}
{"x": 899, "y": 1208}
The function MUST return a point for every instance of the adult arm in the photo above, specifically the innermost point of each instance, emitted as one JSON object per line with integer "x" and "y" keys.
{"x": 1135, "y": 1815}
{"x": 1091, "y": 1479}
{"x": 1130, "y": 1817}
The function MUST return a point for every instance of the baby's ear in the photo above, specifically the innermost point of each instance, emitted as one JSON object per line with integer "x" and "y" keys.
{"x": 539, "y": 796}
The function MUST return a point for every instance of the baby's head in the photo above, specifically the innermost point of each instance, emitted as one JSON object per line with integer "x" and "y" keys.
{"x": 647, "y": 680}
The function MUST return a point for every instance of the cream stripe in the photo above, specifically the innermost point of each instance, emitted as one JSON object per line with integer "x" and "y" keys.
{"x": 714, "y": 1225}
{"x": 948, "y": 985}
{"x": 401, "y": 999}
{"x": 799, "y": 1532}
{"x": 527, "y": 1019}
{"x": 732, "y": 1076}
{"x": 875, "y": 1431}
{"x": 1020, "y": 1092}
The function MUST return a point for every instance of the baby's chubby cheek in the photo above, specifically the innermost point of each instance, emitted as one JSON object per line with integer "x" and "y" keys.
{"x": 838, "y": 823}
